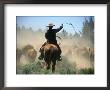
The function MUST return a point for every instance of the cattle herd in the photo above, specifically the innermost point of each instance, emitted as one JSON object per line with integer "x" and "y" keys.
{"x": 28, "y": 54}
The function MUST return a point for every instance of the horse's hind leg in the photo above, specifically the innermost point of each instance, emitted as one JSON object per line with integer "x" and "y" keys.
{"x": 53, "y": 67}
{"x": 48, "y": 65}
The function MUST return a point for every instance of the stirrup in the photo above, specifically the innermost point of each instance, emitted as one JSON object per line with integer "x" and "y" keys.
{"x": 59, "y": 59}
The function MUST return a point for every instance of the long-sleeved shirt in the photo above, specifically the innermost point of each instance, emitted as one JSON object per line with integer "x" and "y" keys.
{"x": 50, "y": 35}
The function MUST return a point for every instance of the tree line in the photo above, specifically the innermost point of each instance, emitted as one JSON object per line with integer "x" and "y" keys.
{"x": 87, "y": 31}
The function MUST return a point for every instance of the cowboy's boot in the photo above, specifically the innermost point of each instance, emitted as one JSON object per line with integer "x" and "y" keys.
{"x": 41, "y": 57}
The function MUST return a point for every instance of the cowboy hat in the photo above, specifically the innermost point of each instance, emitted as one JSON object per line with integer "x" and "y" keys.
{"x": 50, "y": 25}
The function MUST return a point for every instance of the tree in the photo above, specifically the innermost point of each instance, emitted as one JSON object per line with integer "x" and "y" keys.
{"x": 88, "y": 29}
{"x": 70, "y": 35}
{"x": 30, "y": 29}
{"x": 18, "y": 27}
{"x": 91, "y": 24}
{"x": 76, "y": 35}
{"x": 65, "y": 33}
{"x": 23, "y": 27}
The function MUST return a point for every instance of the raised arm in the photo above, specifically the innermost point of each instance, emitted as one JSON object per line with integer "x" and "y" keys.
{"x": 58, "y": 29}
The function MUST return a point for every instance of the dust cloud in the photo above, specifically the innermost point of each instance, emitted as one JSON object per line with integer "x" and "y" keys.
{"x": 75, "y": 50}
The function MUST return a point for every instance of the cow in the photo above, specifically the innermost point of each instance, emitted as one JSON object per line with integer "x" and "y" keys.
{"x": 29, "y": 52}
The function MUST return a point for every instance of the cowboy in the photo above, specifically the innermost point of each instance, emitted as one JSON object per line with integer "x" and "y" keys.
{"x": 50, "y": 35}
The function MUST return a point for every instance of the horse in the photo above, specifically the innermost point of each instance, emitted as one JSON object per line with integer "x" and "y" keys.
{"x": 50, "y": 53}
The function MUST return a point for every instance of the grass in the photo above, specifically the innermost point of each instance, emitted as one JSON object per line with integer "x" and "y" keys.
{"x": 63, "y": 67}
{"x": 86, "y": 71}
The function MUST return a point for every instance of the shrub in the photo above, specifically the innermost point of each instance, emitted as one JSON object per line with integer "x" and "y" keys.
{"x": 86, "y": 71}
{"x": 27, "y": 69}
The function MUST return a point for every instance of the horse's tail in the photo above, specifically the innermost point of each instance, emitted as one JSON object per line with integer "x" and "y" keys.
{"x": 52, "y": 54}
